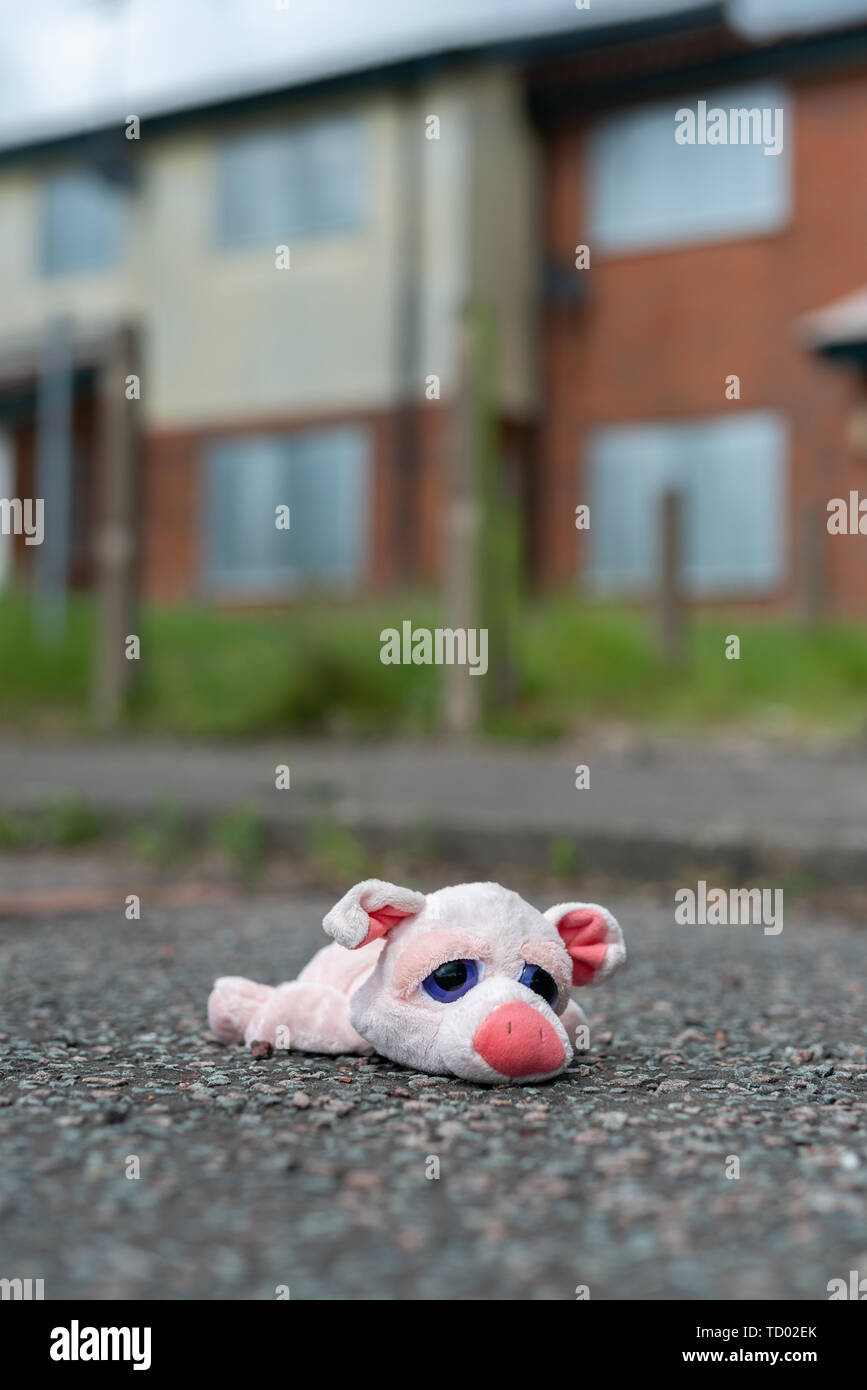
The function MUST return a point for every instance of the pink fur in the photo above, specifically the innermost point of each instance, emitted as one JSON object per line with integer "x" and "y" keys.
{"x": 592, "y": 938}
{"x": 366, "y": 991}
{"x": 312, "y": 1011}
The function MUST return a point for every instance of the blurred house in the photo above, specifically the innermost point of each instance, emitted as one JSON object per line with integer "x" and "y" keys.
{"x": 333, "y": 386}
{"x": 704, "y": 260}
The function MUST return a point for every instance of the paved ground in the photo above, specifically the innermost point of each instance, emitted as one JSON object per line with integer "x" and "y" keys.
{"x": 311, "y": 1173}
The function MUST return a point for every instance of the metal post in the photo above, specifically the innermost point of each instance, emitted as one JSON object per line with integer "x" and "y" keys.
{"x": 53, "y": 478}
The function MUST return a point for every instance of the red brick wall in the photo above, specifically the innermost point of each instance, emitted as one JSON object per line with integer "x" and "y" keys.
{"x": 660, "y": 332}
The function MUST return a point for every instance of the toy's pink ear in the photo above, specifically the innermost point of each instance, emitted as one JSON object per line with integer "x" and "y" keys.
{"x": 370, "y": 910}
{"x": 593, "y": 939}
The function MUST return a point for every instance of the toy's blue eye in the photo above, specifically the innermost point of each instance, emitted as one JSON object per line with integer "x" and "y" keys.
{"x": 452, "y": 980}
{"x": 540, "y": 982}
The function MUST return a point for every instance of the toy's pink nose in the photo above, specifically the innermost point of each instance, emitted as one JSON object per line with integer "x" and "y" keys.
{"x": 517, "y": 1040}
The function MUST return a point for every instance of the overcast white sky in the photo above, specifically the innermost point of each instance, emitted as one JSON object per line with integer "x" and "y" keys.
{"x": 66, "y": 64}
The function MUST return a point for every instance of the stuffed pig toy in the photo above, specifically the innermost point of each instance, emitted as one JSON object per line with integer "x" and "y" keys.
{"x": 469, "y": 981}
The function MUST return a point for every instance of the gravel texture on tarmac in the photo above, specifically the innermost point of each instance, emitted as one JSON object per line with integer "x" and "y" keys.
{"x": 713, "y": 1044}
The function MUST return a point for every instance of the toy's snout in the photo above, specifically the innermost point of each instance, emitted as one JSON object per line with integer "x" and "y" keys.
{"x": 517, "y": 1040}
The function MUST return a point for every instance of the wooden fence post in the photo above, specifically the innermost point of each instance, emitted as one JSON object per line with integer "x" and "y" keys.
{"x": 460, "y": 689}
{"x": 672, "y": 607}
{"x": 812, "y": 569}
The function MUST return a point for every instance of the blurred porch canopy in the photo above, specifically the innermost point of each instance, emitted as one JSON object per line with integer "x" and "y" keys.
{"x": 39, "y": 384}
{"x": 840, "y": 329}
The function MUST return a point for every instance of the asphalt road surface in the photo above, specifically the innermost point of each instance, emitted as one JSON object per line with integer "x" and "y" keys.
{"x": 714, "y": 1044}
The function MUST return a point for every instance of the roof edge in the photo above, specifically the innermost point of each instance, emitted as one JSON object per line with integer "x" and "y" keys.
{"x": 392, "y": 72}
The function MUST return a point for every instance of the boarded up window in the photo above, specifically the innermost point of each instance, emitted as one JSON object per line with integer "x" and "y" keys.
{"x": 322, "y": 477}
{"x": 82, "y": 223}
{"x": 646, "y": 190}
{"x": 276, "y": 185}
{"x": 732, "y": 473}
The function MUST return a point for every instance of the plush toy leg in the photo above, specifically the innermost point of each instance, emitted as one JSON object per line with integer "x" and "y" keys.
{"x": 306, "y": 1018}
{"x": 231, "y": 1005}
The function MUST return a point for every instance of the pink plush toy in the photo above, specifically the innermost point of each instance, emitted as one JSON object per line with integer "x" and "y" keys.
{"x": 470, "y": 981}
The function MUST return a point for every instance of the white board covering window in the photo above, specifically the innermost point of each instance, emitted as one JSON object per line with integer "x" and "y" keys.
{"x": 322, "y": 477}
{"x": 646, "y": 191}
{"x": 732, "y": 476}
{"x": 304, "y": 181}
{"x": 82, "y": 229}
